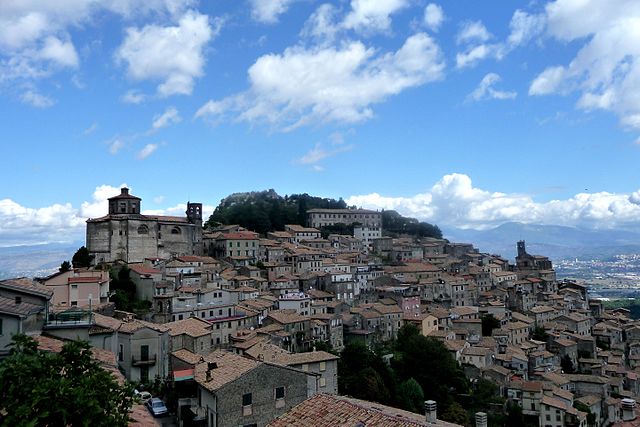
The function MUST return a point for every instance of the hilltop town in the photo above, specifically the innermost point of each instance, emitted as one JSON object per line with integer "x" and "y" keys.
{"x": 247, "y": 328}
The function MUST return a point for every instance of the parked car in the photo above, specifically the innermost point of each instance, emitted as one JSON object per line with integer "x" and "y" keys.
{"x": 142, "y": 396}
{"x": 156, "y": 406}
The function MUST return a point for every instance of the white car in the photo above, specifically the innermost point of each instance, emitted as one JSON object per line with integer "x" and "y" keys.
{"x": 142, "y": 396}
{"x": 156, "y": 407}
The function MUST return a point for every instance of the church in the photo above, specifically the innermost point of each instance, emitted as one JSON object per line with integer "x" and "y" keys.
{"x": 124, "y": 234}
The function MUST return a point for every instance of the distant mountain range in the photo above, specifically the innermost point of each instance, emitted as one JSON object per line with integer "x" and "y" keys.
{"x": 34, "y": 260}
{"x": 554, "y": 241}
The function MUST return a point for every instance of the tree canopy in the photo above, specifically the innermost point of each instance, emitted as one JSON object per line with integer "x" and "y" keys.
{"x": 68, "y": 388}
{"x": 82, "y": 258}
{"x": 264, "y": 211}
{"x": 394, "y": 223}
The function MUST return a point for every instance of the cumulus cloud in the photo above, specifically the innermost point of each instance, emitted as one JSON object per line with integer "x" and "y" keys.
{"x": 36, "y": 99}
{"x": 60, "y": 222}
{"x": 173, "y": 55}
{"x": 454, "y": 201}
{"x": 63, "y": 222}
{"x": 606, "y": 70}
{"x": 477, "y": 42}
{"x": 268, "y": 11}
{"x": 433, "y": 16}
{"x": 485, "y": 89}
{"x": 35, "y": 36}
{"x": 146, "y": 151}
{"x": 325, "y": 84}
{"x": 372, "y": 15}
{"x": 169, "y": 117}
{"x": 133, "y": 97}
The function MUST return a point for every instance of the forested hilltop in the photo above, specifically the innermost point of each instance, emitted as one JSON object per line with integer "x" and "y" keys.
{"x": 264, "y": 211}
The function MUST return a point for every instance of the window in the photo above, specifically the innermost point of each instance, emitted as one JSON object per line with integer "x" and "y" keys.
{"x": 121, "y": 352}
{"x": 247, "y": 399}
{"x": 323, "y": 366}
{"x": 323, "y": 382}
{"x": 143, "y": 229}
{"x": 176, "y": 230}
{"x": 1, "y": 327}
{"x": 279, "y": 392}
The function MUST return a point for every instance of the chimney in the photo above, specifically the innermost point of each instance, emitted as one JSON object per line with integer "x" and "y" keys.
{"x": 481, "y": 419}
{"x": 430, "y": 407}
{"x": 18, "y": 300}
{"x": 628, "y": 409}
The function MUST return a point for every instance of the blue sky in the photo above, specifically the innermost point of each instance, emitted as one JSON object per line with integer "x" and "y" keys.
{"x": 463, "y": 113}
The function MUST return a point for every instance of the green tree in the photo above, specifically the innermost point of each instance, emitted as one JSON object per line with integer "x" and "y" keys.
{"x": 489, "y": 323}
{"x": 64, "y": 267}
{"x": 455, "y": 413}
{"x": 539, "y": 334}
{"x": 411, "y": 396}
{"x": 59, "y": 389}
{"x": 357, "y": 366}
{"x": 442, "y": 379}
{"x": 515, "y": 418}
{"x": 82, "y": 258}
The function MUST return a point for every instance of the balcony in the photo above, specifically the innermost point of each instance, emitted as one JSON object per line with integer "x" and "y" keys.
{"x": 139, "y": 361}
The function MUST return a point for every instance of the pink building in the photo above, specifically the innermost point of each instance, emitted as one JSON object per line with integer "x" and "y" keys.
{"x": 78, "y": 288}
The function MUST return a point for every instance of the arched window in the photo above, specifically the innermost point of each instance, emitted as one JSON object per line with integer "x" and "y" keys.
{"x": 143, "y": 229}
{"x": 176, "y": 230}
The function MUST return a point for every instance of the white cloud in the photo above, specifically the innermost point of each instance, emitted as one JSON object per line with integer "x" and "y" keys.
{"x": 473, "y": 55}
{"x": 99, "y": 205}
{"x": 56, "y": 223}
{"x": 548, "y": 81}
{"x": 179, "y": 210}
{"x": 133, "y": 97}
{"x": 329, "y": 84}
{"x": 372, "y": 15}
{"x": 322, "y": 24}
{"x": 36, "y": 99}
{"x": 35, "y": 36}
{"x": 606, "y": 70}
{"x": 454, "y": 201}
{"x": 146, "y": 151}
{"x": 268, "y": 11}
{"x": 61, "y": 52}
{"x": 319, "y": 152}
{"x": 169, "y": 117}
{"x": 62, "y": 222}
{"x": 116, "y": 145}
{"x": 475, "y": 38}
{"x": 158, "y": 199}
{"x": 524, "y": 27}
{"x": 485, "y": 89}
{"x": 473, "y": 32}
{"x": 91, "y": 129}
{"x": 433, "y": 16}
{"x": 173, "y": 55}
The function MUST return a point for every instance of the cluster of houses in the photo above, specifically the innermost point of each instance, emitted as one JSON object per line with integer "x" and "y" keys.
{"x": 236, "y": 323}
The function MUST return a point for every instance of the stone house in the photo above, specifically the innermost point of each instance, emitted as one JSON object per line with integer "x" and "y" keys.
{"x": 235, "y": 390}
{"x": 24, "y": 306}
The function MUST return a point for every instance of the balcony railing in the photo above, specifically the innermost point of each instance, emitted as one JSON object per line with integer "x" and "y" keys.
{"x": 139, "y": 361}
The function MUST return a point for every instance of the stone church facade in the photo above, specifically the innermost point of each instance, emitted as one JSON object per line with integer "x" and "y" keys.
{"x": 127, "y": 235}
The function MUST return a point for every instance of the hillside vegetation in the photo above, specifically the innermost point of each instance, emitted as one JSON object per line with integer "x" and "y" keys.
{"x": 264, "y": 211}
